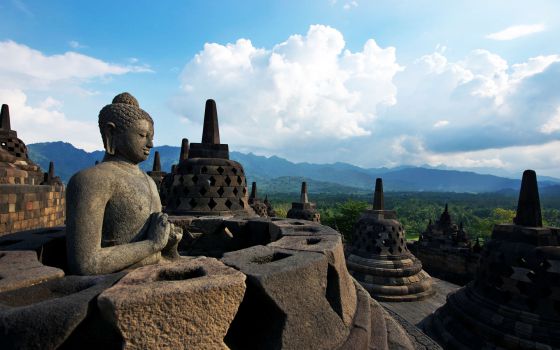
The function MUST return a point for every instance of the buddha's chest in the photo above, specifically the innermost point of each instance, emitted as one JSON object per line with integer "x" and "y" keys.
{"x": 128, "y": 210}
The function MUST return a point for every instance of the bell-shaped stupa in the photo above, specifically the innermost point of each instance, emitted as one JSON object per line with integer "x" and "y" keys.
{"x": 206, "y": 181}
{"x": 514, "y": 301}
{"x": 379, "y": 259}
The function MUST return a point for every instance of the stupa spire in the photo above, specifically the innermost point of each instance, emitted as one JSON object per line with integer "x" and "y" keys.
{"x": 253, "y": 195}
{"x": 304, "y": 198}
{"x": 157, "y": 162}
{"x": 51, "y": 171}
{"x": 210, "y": 131}
{"x": 5, "y": 118}
{"x": 378, "y": 198}
{"x": 529, "y": 205}
{"x": 184, "y": 150}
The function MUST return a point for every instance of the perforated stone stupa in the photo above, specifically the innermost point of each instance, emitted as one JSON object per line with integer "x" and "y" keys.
{"x": 304, "y": 210}
{"x": 513, "y": 303}
{"x": 379, "y": 259}
{"x": 446, "y": 251}
{"x": 206, "y": 181}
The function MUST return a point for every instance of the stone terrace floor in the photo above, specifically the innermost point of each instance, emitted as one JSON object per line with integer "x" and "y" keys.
{"x": 416, "y": 311}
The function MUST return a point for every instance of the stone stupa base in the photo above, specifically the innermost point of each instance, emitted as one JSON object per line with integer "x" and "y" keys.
{"x": 392, "y": 278}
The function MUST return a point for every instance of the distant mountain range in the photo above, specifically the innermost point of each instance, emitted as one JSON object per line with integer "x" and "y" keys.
{"x": 274, "y": 174}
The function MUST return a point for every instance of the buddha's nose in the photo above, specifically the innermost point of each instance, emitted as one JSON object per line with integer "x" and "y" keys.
{"x": 150, "y": 143}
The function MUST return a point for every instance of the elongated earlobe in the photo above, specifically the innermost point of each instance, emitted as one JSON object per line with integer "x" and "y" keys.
{"x": 109, "y": 138}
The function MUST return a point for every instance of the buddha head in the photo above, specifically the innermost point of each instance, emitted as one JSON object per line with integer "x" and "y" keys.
{"x": 126, "y": 129}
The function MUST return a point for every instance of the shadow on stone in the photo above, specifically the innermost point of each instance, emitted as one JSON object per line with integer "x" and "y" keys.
{"x": 259, "y": 323}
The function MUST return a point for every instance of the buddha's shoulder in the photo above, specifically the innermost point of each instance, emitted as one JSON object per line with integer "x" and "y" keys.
{"x": 97, "y": 177}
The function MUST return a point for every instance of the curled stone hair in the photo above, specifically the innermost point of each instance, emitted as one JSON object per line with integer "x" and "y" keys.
{"x": 123, "y": 112}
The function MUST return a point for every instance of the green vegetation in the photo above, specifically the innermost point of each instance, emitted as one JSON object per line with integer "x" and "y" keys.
{"x": 478, "y": 212}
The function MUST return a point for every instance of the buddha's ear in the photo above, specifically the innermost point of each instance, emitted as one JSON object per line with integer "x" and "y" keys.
{"x": 109, "y": 130}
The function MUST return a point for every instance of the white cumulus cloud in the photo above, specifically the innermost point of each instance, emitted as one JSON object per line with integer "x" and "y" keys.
{"x": 35, "y": 85}
{"x": 517, "y": 31}
{"x": 304, "y": 90}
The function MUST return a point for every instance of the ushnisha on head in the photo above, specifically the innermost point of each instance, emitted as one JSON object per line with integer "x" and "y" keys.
{"x": 126, "y": 129}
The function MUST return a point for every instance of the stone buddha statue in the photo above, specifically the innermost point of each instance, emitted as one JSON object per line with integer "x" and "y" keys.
{"x": 114, "y": 214}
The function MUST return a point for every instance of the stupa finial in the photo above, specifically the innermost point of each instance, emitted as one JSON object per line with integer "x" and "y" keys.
{"x": 529, "y": 205}
{"x": 210, "y": 131}
{"x": 378, "y": 198}
{"x": 157, "y": 162}
{"x": 253, "y": 191}
{"x": 184, "y": 150}
{"x": 303, "y": 197}
{"x": 5, "y": 118}
{"x": 51, "y": 170}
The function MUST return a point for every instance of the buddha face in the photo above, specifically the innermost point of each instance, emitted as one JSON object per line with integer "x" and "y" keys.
{"x": 134, "y": 143}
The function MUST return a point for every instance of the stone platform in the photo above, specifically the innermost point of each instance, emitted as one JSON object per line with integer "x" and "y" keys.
{"x": 285, "y": 281}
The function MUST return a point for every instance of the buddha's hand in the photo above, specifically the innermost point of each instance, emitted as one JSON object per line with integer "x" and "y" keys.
{"x": 159, "y": 230}
{"x": 176, "y": 233}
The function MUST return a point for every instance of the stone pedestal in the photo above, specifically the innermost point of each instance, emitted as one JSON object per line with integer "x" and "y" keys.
{"x": 187, "y": 304}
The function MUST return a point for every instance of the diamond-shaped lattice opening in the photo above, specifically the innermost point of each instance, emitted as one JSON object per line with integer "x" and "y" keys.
{"x": 203, "y": 170}
{"x": 391, "y": 250}
{"x": 221, "y": 191}
{"x": 378, "y": 250}
{"x": 195, "y": 179}
{"x": 212, "y": 203}
{"x": 241, "y": 203}
{"x": 177, "y": 202}
{"x": 235, "y": 191}
{"x": 234, "y": 170}
{"x": 227, "y": 180}
{"x": 220, "y": 170}
{"x": 239, "y": 181}
{"x": 185, "y": 191}
{"x": 228, "y": 204}
{"x": 212, "y": 181}
{"x": 400, "y": 250}
{"x": 192, "y": 203}
{"x": 244, "y": 190}
{"x": 202, "y": 191}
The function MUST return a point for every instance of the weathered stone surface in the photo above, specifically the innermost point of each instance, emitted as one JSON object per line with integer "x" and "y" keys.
{"x": 286, "y": 304}
{"x": 187, "y": 304}
{"x": 43, "y": 316}
{"x": 20, "y": 269}
{"x": 114, "y": 219}
{"x": 342, "y": 291}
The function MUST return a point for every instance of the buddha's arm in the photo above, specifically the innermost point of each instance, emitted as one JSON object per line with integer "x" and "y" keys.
{"x": 86, "y": 198}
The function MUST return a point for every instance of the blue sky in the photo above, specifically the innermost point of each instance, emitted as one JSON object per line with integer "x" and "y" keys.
{"x": 468, "y": 85}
